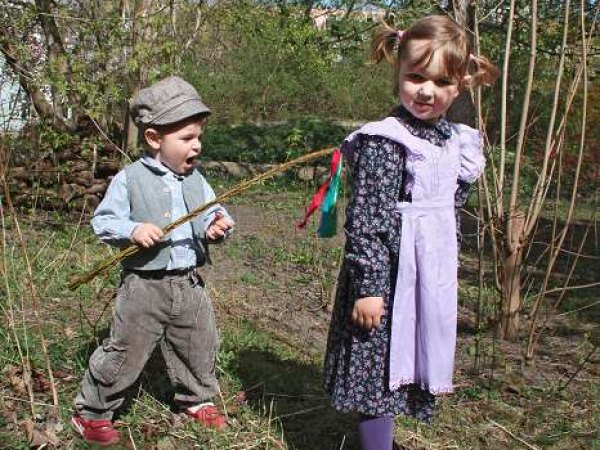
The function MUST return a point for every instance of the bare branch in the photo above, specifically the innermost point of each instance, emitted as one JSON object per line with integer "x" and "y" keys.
{"x": 503, "y": 110}
{"x": 44, "y": 108}
{"x": 533, "y": 210}
{"x": 562, "y": 235}
{"x": 523, "y": 125}
{"x": 194, "y": 33}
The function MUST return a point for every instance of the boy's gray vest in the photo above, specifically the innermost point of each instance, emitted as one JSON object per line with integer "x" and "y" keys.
{"x": 150, "y": 201}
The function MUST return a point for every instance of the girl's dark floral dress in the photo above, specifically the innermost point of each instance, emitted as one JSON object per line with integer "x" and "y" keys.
{"x": 356, "y": 361}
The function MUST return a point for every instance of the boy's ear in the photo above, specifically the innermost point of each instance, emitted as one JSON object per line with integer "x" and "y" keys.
{"x": 152, "y": 138}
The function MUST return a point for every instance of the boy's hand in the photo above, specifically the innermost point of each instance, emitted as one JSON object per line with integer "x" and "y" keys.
{"x": 147, "y": 235}
{"x": 219, "y": 227}
{"x": 367, "y": 312}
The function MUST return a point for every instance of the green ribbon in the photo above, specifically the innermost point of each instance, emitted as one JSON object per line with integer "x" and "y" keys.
{"x": 328, "y": 225}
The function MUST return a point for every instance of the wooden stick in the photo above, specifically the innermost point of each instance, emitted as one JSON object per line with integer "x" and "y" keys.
{"x": 104, "y": 266}
{"x": 580, "y": 368}
{"x": 515, "y": 437}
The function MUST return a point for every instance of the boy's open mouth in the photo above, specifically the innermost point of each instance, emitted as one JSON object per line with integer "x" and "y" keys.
{"x": 190, "y": 160}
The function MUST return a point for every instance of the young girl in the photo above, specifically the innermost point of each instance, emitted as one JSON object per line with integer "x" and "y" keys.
{"x": 393, "y": 331}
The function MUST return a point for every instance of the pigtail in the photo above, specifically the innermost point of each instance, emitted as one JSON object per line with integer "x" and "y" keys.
{"x": 385, "y": 45}
{"x": 483, "y": 72}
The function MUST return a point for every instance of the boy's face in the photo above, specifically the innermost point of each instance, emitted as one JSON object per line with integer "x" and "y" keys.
{"x": 177, "y": 146}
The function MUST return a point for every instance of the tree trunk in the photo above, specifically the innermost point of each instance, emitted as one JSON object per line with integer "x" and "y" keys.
{"x": 463, "y": 109}
{"x": 130, "y": 143}
{"x": 141, "y": 31}
{"x": 42, "y": 106}
{"x": 511, "y": 277}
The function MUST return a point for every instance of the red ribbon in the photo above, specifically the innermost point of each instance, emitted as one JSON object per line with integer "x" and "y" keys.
{"x": 319, "y": 196}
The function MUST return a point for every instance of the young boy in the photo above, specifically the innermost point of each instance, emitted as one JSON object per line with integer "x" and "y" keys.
{"x": 161, "y": 298}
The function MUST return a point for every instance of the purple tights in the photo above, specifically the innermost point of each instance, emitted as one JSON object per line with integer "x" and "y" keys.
{"x": 376, "y": 433}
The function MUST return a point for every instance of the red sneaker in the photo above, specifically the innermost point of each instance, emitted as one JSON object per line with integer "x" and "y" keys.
{"x": 95, "y": 431}
{"x": 208, "y": 415}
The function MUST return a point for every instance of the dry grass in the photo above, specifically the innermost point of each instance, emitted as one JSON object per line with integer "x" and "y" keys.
{"x": 271, "y": 286}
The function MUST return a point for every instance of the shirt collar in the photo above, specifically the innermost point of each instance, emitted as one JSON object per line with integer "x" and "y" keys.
{"x": 431, "y": 131}
{"x": 159, "y": 168}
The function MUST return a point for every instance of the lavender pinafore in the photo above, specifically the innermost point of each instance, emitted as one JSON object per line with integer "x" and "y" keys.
{"x": 422, "y": 310}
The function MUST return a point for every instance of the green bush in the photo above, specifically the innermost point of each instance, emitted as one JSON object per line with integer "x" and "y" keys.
{"x": 258, "y": 64}
{"x": 273, "y": 143}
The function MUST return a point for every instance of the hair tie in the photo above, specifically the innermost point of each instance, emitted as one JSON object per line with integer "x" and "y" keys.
{"x": 399, "y": 34}
{"x": 472, "y": 58}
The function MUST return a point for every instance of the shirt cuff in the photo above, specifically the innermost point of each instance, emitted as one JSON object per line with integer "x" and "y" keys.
{"x": 130, "y": 228}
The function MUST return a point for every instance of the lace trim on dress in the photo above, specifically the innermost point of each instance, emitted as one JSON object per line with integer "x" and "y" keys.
{"x": 435, "y": 132}
{"x": 435, "y": 390}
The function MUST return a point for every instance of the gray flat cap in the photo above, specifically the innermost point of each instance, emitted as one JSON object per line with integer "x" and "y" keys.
{"x": 165, "y": 102}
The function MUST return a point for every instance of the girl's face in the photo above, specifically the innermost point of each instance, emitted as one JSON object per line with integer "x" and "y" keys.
{"x": 425, "y": 91}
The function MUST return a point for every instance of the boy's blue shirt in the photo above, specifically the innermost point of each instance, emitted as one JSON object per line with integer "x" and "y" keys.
{"x": 113, "y": 225}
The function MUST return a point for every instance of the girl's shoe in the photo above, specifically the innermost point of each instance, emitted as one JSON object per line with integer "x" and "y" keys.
{"x": 208, "y": 415}
{"x": 95, "y": 431}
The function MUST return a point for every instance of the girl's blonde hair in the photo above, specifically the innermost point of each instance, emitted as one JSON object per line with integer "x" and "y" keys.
{"x": 445, "y": 35}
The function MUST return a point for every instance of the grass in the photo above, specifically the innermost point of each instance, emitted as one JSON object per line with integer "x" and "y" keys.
{"x": 271, "y": 286}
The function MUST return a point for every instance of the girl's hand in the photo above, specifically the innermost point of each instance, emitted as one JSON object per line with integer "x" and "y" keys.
{"x": 219, "y": 227}
{"x": 367, "y": 312}
{"x": 147, "y": 235}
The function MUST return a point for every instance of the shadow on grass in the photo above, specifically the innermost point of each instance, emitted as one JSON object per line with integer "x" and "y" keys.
{"x": 291, "y": 392}
{"x": 285, "y": 389}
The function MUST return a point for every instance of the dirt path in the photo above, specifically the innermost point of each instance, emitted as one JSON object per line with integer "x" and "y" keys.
{"x": 270, "y": 274}
{"x": 281, "y": 281}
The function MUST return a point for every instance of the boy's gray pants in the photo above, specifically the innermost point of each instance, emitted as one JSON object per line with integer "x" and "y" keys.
{"x": 173, "y": 310}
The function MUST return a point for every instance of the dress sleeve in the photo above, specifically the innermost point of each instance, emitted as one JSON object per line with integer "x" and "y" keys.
{"x": 472, "y": 161}
{"x": 472, "y": 164}
{"x": 376, "y": 165}
{"x": 460, "y": 198}
{"x": 463, "y": 190}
